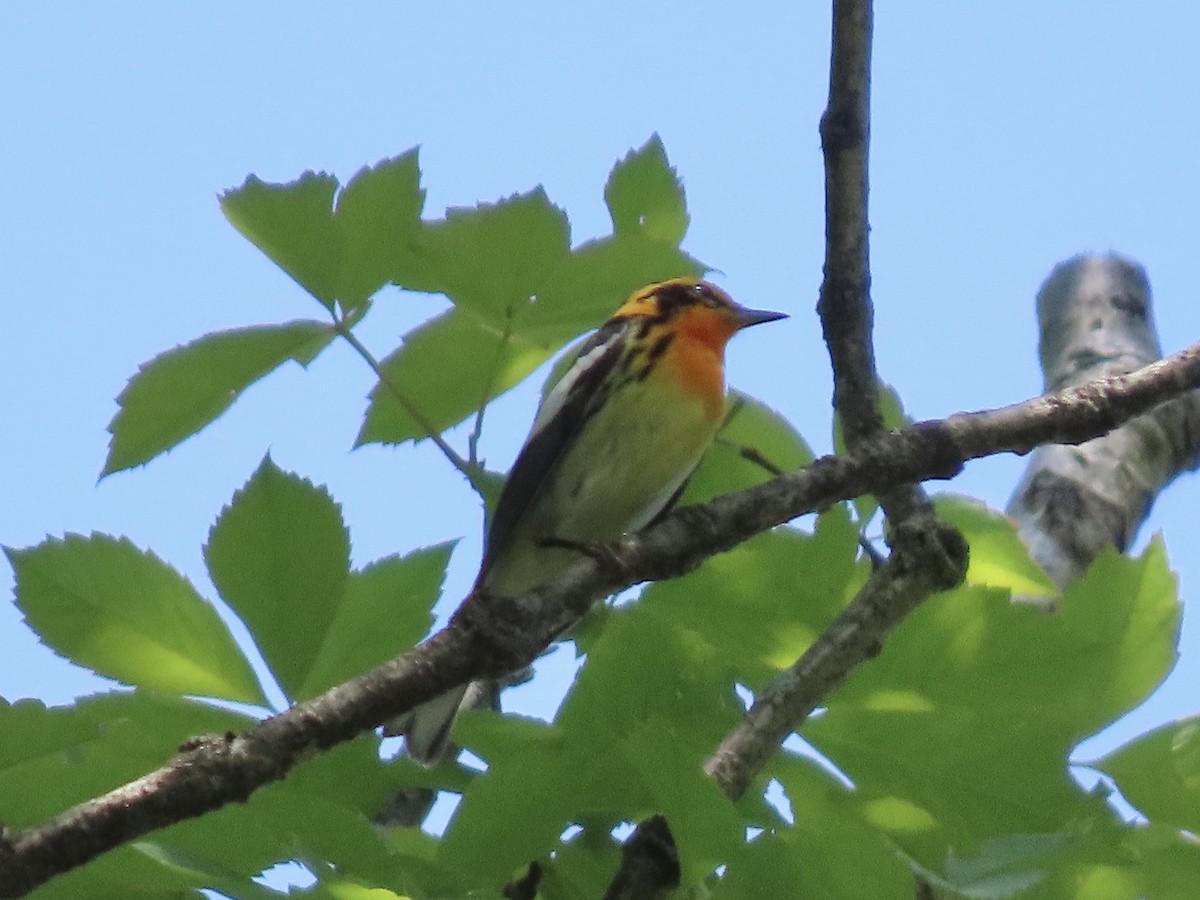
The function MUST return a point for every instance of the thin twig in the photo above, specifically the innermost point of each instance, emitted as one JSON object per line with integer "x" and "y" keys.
{"x": 477, "y": 430}
{"x": 751, "y": 454}
{"x": 469, "y": 471}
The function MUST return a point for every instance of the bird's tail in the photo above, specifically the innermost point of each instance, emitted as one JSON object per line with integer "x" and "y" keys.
{"x": 426, "y": 728}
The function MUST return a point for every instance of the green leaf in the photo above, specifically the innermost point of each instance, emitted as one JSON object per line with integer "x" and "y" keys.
{"x": 280, "y": 555}
{"x": 378, "y": 220}
{"x": 761, "y": 605}
{"x": 384, "y": 610}
{"x": 829, "y": 852}
{"x": 644, "y": 666}
{"x": 521, "y": 294}
{"x": 629, "y": 741}
{"x": 54, "y": 758}
{"x": 706, "y": 825}
{"x": 343, "y": 255}
{"x": 124, "y": 613}
{"x": 448, "y": 368}
{"x": 1108, "y": 858}
{"x": 493, "y": 258}
{"x": 544, "y": 804}
{"x": 1005, "y": 866}
{"x": 1159, "y": 773}
{"x": 182, "y": 390}
{"x": 293, "y": 225}
{"x": 754, "y": 440}
{"x": 644, "y": 193}
{"x": 581, "y": 867}
{"x": 600, "y": 274}
{"x": 999, "y": 558}
{"x": 1003, "y": 689}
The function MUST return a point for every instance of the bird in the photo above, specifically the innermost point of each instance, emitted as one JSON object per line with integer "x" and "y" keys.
{"x": 611, "y": 449}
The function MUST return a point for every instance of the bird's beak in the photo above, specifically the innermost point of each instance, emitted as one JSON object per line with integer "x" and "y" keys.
{"x": 748, "y": 317}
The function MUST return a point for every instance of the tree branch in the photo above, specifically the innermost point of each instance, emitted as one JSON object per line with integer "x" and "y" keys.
{"x": 927, "y": 555}
{"x": 1097, "y": 320}
{"x": 845, "y": 300}
{"x": 495, "y": 635}
{"x": 649, "y": 863}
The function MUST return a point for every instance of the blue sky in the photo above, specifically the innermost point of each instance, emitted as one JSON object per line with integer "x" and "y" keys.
{"x": 1006, "y": 138}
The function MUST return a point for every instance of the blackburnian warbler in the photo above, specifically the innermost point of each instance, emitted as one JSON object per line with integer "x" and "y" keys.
{"x": 611, "y": 448}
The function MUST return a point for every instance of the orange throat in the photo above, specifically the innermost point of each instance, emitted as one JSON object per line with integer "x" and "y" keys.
{"x": 697, "y": 357}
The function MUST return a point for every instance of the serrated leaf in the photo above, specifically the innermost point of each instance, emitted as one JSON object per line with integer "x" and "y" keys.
{"x": 182, "y": 390}
{"x": 384, "y": 610}
{"x": 1000, "y": 688}
{"x": 340, "y": 255}
{"x": 280, "y": 555}
{"x": 1159, "y": 773}
{"x": 293, "y": 225}
{"x": 521, "y": 294}
{"x": 600, "y": 274}
{"x": 493, "y": 258}
{"x": 644, "y": 193}
{"x": 378, "y": 221}
{"x": 999, "y": 558}
{"x": 447, "y": 368}
{"x": 122, "y": 612}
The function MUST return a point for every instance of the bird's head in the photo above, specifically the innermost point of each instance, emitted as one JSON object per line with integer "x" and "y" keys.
{"x": 693, "y": 307}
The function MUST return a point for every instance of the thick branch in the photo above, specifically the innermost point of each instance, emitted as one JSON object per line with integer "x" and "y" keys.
{"x": 649, "y": 863}
{"x": 489, "y": 638}
{"x": 845, "y": 302}
{"x": 926, "y": 557}
{"x": 1097, "y": 320}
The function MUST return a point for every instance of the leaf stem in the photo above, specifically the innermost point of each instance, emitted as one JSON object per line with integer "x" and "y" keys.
{"x": 469, "y": 470}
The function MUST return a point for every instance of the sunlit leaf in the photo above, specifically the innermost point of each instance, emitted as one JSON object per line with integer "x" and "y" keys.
{"x": 124, "y": 613}
{"x": 293, "y": 225}
{"x": 384, "y": 610}
{"x": 280, "y": 555}
{"x": 999, "y": 558}
{"x": 1000, "y": 688}
{"x": 1159, "y": 773}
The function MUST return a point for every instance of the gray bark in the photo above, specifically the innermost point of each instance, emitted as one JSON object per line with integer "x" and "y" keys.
{"x": 1096, "y": 320}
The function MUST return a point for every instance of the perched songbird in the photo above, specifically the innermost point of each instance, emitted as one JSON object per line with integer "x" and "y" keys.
{"x": 612, "y": 448}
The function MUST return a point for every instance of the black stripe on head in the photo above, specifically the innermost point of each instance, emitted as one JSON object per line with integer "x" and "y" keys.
{"x": 674, "y": 296}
